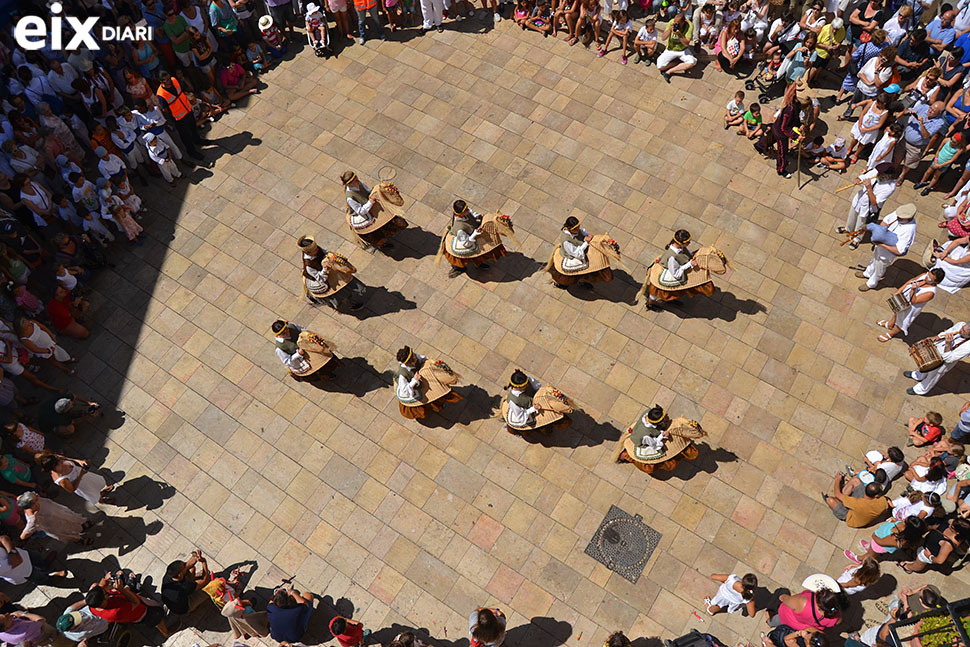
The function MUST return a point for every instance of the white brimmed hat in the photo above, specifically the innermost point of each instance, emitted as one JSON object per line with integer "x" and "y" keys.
{"x": 312, "y": 8}
{"x": 820, "y": 582}
{"x": 265, "y": 22}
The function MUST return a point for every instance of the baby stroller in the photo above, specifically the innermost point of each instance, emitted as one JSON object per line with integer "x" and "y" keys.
{"x": 768, "y": 78}
{"x": 317, "y": 22}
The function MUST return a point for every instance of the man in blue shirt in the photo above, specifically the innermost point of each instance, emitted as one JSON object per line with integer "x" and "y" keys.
{"x": 941, "y": 32}
{"x": 924, "y": 122}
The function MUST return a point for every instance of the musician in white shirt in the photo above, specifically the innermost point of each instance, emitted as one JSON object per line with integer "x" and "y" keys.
{"x": 953, "y": 348}
{"x": 901, "y": 222}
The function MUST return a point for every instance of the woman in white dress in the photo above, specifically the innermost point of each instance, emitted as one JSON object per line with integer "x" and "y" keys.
{"x": 918, "y": 291}
{"x": 50, "y": 518}
{"x": 41, "y": 342}
{"x": 884, "y": 149}
{"x": 954, "y": 260}
{"x": 866, "y": 130}
{"x": 733, "y": 594}
{"x": 73, "y": 475}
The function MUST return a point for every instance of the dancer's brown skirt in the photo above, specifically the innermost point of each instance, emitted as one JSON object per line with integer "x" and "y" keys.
{"x": 706, "y": 289}
{"x": 600, "y": 276}
{"x": 690, "y": 452}
{"x": 487, "y": 257}
{"x": 381, "y": 235}
{"x": 421, "y": 411}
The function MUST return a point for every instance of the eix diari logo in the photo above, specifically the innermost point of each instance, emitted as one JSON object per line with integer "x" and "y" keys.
{"x": 31, "y": 32}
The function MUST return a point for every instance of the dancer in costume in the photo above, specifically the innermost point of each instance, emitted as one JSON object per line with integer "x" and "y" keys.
{"x": 679, "y": 272}
{"x": 373, "y": 216}
{"x": 327, "y": 275}
{"x": 581, "y": 257}
{"x": 473, "y": 239}
{"x": 306, "y": 355}
{"x": 656, "y": 443}
{"x": 530, "y": 406}
{"x": 423, "y": 387}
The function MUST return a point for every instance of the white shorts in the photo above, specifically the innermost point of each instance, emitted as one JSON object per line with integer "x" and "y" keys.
{"x": 185, "y": 58}
{"x": 669, "y": 56}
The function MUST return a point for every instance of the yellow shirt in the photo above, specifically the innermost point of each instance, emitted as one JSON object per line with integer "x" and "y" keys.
{"x": 827, "y": 38}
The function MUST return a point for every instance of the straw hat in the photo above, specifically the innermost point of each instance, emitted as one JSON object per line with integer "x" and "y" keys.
{"x": 803, "y": 93}
{"x": 308, "y": 245}
{"x": 820, "y": 582}
{"x": 265, "y": 22}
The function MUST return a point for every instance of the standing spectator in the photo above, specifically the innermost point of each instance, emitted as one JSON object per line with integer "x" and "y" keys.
{"x": 224, "y": 22}
{"x": 961, "y": 431}
{"x": 52, "y": 519}
{"x": 349, "y": 633}
{"x": 175, "y": 100}
{"x": 78, "y": 623}
{"x": 244, "y": 16}
{"x": 150, "y": 119}
{"x": 363, "y": 7}
{"x": 163, "y": 155}
{"x": 19, "y": 565}
{"x": 60, "y": 415}
{"x": 112, "y": 600}
{"x": 486, "y": 627}
{"x": 282, "y": 15}
{"x": 26, "y": 629}
{"x": 289, "y": 615}
{"x": 182, "y": 585}
{"x": 41, "y": 342}
{"x": 176, "y": 28}
{"x": 63, "y": 310}
{"x": 940, "y": 32}
{"x": 73, "y": 475}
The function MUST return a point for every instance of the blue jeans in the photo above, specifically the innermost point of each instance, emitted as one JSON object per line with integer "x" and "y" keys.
{"x": 959, "y": 434}
{"x": 362, "y": 19}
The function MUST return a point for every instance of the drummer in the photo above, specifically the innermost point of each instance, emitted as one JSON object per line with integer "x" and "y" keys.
{"x": 316, "y": 276}
{"x": 954, "y": 348}
{"x": 901, "y": 225}
{"x": 917, "y": 293}
{"x": 359, "y": 205}
{"x": 466, "y": 226}
{"x": 677, "y": 261}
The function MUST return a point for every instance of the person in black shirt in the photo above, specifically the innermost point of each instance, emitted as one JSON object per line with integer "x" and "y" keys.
{"x": 913, "y": 54}
{"x": 182, "y": 585}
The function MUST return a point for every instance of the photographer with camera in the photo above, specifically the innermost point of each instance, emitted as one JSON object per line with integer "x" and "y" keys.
{"x": 113, "y": 599}
{"x": 785, "y": 636}
{"x": 289, "y": 614}
{"x": 63, "y": 413}
{"x": 182, "y": 585}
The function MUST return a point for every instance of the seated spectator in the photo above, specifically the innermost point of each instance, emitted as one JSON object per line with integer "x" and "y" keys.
{"x": 731, "y": 48}
{"x": 707, "y": 25}
{"x": 621, "y": 28}
{"x": 751, "y": 127}
{"x": 16, "y": 472}
{"x": 835, "y": 157}
{"x": 889, "y": 536}
{"x": 645, "y": 43}
{"x": 256, "y": 58}
{"x": 349, "y": 633}
{"x": 814, "y": 149}
{"x": 540, "y": 19}
{"x": 890, "y": 462}
{"x": 940, "y": 33}
{"x": 927, "y": 475}
{"x": 913, "y": 601}
{"x": 734, "y": 111}
{"x": 862, "y": 508}
{"x": 19, "y": 565}
{"x": 237, "y": 81}
{"x": 677, "y": 57}
{"x": 289, "y": 615}
{"x": 919, "y": 504}
{"x": 78, "y": 623}
{"x": 857, "y": 578}
{"x": 941, "y": 545}
{"x": 112, "y": 600}
{"x": 182, "y": 585}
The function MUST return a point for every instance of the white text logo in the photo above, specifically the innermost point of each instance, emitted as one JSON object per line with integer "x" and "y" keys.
{"x": 31, "y": 32}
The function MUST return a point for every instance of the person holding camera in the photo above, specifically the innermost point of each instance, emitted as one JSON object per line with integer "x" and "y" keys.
{"x": 182, "y": 585}
{"x": 112, "y": 599}
{"x": 289, "y": 615}
{"x": 62, "y": 414}
{"x": 785, "y": 636}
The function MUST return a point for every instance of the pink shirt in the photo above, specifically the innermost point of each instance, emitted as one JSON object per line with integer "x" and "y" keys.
{"x": 805, "y": 618}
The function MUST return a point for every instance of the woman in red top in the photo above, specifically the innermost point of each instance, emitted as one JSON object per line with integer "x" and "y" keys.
{"x": 62, "y": 310}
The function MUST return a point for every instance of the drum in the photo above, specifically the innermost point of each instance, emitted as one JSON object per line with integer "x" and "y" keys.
{"x": 926, "y": 354}
{"x": 898, "y": 302}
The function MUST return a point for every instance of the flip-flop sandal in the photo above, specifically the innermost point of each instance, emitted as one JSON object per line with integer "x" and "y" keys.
{"x": 884, "y": 337}
{"x": 883, "y": 323}
{"x": 841, "y": 230}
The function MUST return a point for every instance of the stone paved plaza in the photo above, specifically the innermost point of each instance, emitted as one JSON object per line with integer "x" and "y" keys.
{"x": 415, "y": 524}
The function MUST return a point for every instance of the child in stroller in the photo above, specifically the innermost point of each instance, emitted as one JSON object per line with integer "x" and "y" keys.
{"x": 770, "y": 75}
{"x": 316, "y": 30}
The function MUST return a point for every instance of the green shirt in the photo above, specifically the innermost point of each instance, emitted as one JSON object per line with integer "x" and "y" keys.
{"x": 677, "y": 42}
{"x": 751, "y": 119}
{"x": 175, "y": 29}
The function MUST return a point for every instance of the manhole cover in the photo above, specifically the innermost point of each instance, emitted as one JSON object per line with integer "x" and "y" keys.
{"x": 623, "y": 543}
